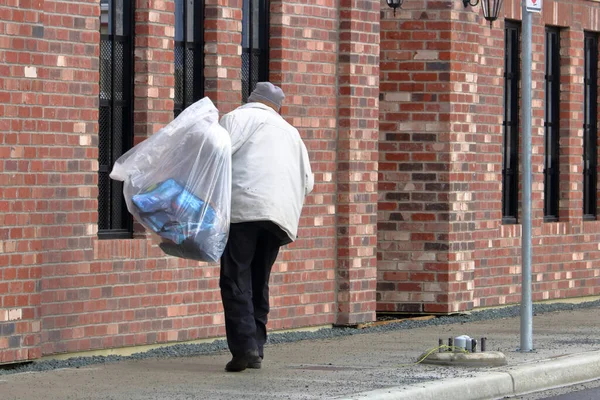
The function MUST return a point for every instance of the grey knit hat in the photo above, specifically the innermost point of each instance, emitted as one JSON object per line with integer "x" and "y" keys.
{"x": 266, "y": 91}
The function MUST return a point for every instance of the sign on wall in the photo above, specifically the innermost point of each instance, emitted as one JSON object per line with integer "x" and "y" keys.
{"x": 534, "y": 5}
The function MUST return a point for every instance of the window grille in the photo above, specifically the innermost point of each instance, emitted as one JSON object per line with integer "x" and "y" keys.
{"x": 115, "y": 114}
{"x": 552, "y": 126}
{"x": 255, "y": 45}
{"x": 590, "y": 128}
{"x": 189, "y": 53}
{"x": 510, "y": 169}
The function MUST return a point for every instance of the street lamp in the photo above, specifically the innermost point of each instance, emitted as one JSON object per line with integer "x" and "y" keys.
{"x": 395, "y": 4}
{"x": 491, "y": 8}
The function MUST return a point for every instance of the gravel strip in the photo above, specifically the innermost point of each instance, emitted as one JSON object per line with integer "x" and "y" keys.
{"x": 189, "y": 350}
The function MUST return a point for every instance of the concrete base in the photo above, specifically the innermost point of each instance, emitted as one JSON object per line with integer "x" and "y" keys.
{"x": 485, "y": 359}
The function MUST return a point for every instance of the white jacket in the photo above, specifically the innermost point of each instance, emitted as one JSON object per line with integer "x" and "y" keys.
{"x": 271, "y": 174}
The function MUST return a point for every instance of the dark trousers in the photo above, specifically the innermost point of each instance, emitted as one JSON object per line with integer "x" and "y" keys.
{"x": 245, "y": 270}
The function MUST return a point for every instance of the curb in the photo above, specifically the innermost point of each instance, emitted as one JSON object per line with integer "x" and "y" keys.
{"x": 502, "y": 382}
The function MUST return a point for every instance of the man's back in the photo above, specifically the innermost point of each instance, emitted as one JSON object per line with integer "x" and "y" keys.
{"x": 271, "y": 171}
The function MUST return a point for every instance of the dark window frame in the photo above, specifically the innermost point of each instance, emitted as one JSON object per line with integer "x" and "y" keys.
{"x": 510, "y": 166}
{"x": 590, "y": 127}
{"x": 255, "y": 45}
{"x": 115, "y": 116}
{"x": 189, "y": 54}
{"x": 552, "y": 126}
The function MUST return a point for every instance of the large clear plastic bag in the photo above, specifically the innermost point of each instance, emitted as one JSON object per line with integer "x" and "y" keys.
{"x": 177, "y": 183}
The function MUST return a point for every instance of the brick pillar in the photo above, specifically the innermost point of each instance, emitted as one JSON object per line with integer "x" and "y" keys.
{"x": 47, "y": 181}
{"x": 428, "y": 141}
{"x": 68, "y": 151}
{"x": 24, "y": 72}
{"x": 571, "y": 126}
{"x": 222, "y": 53}
{"x": 358, "y": 131}
{"x": 154, "y": 80}
{"x": 303, "y": 61}
{"x": 414, "y": 155}
{"x": 493, "y": 278}
{"x": 153, "y": 77}
{"x": 465, "y": 171}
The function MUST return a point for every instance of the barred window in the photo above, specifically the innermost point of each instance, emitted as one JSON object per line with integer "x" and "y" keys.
{"x": 116, "y": 113}
{"x": 255, "y": 45}
{"x": 510, "y": 169}
{"x": 552, "y": 126}
{"x": 189, "y": 53}
{"x": 590, "y": 126}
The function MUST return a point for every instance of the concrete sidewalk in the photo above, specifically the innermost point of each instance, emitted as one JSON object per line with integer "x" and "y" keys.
{"x": 367, "y": 366}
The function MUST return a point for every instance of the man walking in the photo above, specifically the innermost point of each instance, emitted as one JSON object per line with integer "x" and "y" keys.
{"x": 271, "y": 176}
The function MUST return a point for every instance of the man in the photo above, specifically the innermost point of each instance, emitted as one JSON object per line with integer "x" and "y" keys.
{"x": 271, "y": 176}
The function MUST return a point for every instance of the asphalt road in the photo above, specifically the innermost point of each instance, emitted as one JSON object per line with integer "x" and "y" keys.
{"x": 585, "y": 391}
{"x": 591, "y": 394}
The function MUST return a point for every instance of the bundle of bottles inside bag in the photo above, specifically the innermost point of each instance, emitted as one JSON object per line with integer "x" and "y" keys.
{"x": 177, "y": 184}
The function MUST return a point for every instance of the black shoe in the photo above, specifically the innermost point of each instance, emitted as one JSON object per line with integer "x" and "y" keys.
{"x": 239, "y": 363}
{"x": 256, "y": 363}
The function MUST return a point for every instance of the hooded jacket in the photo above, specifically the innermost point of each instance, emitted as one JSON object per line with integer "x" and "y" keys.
{"x": 271, "y": 173}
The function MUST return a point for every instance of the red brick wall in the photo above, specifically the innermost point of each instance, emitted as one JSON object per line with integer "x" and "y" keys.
{"x": 473, "y": 260}
{"x": 62, "y": 289}
{"x": 441, "y": 245}
{"x": 566, "y": 257}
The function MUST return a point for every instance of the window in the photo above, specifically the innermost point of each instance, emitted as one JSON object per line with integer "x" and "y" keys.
{"x": 255, "y": 45}
{"x": 552, "y": 126}
{"x": 510, "y": 168}
{"x": 189, "y": 53}
{"x": 116, "y": 113}
{"x": 590, "y": 126}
